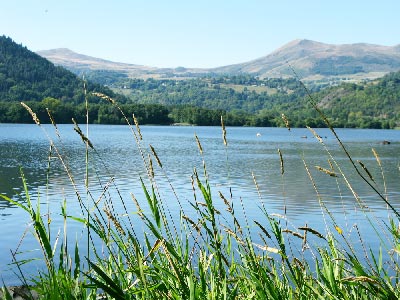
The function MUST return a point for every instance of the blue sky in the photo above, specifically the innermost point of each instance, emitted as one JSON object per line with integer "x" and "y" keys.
{"x": 194, "y": 33}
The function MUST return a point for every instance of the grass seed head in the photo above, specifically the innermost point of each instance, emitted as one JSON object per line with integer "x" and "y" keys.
{"x": 198, "y": 144}
{"x": 281, "y": 160}
{"x": 296, "y": 234}
{"x": 193, "y": 223}
{"x": 326, "y": 171}
{"x": 313, "y": 231}
{"x": 34, "y": 116}
{"x": 135, "y": 120}
{"x": 360, "y": 279}
{"x": 83, "y": 137}
{"x": 377, "y": 157}
{"x": 139, "y": 209}
{"x": 263, "y": 229}
{"x": 339, "y": 230}
{"x": 316, "y": 135}
{"x": 223, "y": 131}
{"x": 116, "y": 223}
{"x": 155, "y": 155}
{"x": 151, "y": 169}
{"x": 105, "y": 97}
{"x": 53, "y": 122}
{"x": 285, "y": 119}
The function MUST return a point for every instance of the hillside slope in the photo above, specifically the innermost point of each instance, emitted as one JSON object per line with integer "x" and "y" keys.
{"x": 80, "y": 62}
{"x": 364, "y": 105}
{"x": 26, "y": 76}
{"x": 312, "y": 59}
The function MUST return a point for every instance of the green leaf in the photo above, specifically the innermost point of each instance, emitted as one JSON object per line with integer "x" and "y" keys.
{"x": 109, "y": 285}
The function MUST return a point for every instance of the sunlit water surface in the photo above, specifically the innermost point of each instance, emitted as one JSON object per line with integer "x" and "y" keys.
{"x": 250, "y": 156}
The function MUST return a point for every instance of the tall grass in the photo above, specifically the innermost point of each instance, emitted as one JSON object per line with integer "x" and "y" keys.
{"x": 202, "y": 252}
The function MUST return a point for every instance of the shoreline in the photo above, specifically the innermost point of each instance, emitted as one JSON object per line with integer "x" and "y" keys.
{"x": 19, "y": 292}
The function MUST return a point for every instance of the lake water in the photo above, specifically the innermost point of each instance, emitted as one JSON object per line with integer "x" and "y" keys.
{"x": 250, "y": 153}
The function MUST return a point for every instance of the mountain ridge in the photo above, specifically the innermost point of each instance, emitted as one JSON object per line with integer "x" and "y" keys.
{"x": 310, "y": 59}
{"x": 304, "y": 55}
{"x": 68, "y": 58}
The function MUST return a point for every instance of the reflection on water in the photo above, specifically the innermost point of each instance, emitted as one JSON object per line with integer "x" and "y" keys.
{"x": 247, "y": 158}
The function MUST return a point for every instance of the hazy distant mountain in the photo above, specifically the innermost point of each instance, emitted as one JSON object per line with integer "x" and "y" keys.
{"x": 310, "y": 59}
{"x": 79, "y": 63}
{"x": 72, "y": 60}
{"x": 314, "y": 59}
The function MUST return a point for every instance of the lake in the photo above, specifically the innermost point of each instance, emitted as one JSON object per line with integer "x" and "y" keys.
{"x": 251, "y": 154}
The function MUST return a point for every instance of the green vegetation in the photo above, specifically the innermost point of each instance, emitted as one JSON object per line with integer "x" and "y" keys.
{"x": 258, "y": 102}
{"x": 98, "y": 113}
{"x": 345, "y": 65}
{"x": 371, "y": 105}
{"x": 206, "y": 253}
{"x": 231, "y": 93}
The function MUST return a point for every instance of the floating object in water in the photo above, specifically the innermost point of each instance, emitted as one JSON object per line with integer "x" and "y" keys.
{"x": 303, "y": 136}
{"x": 385, "y": 142}
{"x": 258, "y": 134}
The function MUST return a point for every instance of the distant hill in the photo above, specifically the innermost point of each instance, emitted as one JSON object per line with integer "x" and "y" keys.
{"x": 26, "y": 76}
{"x": 364, "y": 105}
{"x": 92, "y": 66}
{"x": 79, "y": 62}
{"x": 314, "y": 60}
{"x": 311, "y": 60}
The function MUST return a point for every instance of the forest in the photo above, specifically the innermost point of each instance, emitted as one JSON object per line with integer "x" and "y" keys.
{"x": 260, "y": 102}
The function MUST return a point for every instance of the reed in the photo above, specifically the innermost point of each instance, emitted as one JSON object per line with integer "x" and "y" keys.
{"x": 205, "y": 253}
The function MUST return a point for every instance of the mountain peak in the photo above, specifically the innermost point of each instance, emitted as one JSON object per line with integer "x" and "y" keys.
{"x": 300, "y": 44}
{"x": 57, "y": 52}
{"x": 65, "y": 53}
{"x": 313, "y": 59}
{"x": 61, "y": 50}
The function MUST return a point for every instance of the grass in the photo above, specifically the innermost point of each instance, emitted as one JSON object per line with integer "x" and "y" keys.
{"x": 201, "y": 252}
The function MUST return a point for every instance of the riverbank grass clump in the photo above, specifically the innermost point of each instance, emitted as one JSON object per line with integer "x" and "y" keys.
{"x": 202, "y": 251}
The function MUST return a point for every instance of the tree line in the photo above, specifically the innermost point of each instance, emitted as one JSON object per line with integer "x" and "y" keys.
{"x": 260, "y": 102}
{"x": 107, "y": 113}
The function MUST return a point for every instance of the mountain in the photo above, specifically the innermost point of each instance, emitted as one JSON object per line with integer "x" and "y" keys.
{"x": 311, "y": 60}
{"x": 79, "y": 62}
{"x": 26, "y": 76}
{"x": 92, "y": 66}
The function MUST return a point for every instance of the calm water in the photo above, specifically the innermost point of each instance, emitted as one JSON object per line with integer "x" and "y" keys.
{"x": 230, "y": 168}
